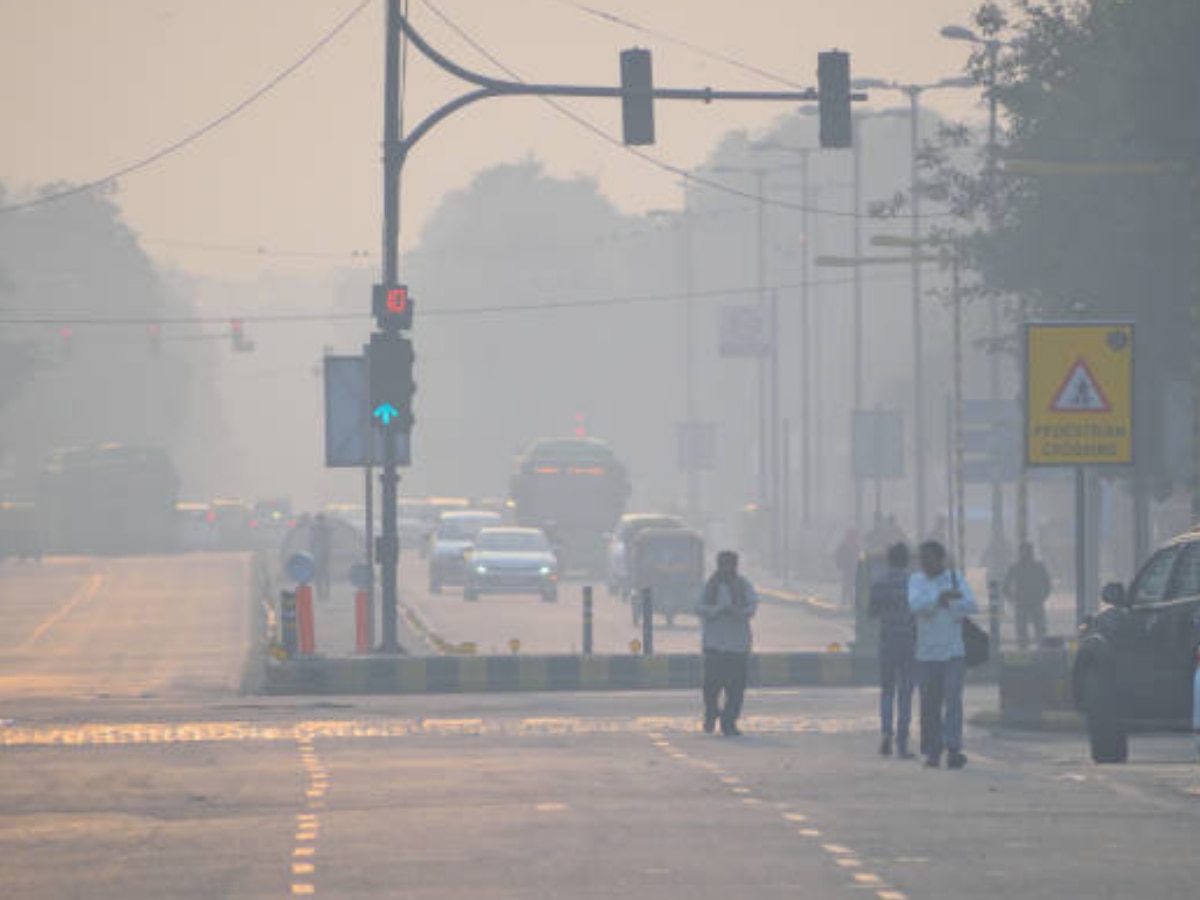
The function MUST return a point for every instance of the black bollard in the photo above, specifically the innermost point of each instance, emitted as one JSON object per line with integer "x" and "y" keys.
{"x": 587, "y": 620}
{"x": 647, "y": 623}
{"x": 287, "y": 622}
{"x": 994, "y": 608}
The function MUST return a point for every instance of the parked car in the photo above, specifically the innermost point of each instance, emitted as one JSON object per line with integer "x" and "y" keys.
{"x": 621, "y": 542}
{"x": 1138, "y": 660}
{"x": 511, "y": 561}
{"x": 452, "y": 538}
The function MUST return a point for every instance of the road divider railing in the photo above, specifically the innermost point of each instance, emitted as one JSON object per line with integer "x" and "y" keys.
{"x": 519, "y": 672}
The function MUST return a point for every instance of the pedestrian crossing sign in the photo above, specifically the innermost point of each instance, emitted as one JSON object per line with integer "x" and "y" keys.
{"x": 1079, "y": 394}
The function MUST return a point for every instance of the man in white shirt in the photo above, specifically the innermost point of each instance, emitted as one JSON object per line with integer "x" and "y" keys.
{"x": 940, "y": 599}
{"x": 726, "y": 604}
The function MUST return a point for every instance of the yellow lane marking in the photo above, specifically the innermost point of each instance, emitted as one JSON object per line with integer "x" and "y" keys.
{"x": 810, "y": 832}
{"x": 303, "y": 889}
{"x": 891, "y": 895}
{"x": 551, "y": 807}
{"x": 795, "y": 817}
{"x": 304, "y": 851}
{"x": 85, "y": 593}
{"x": 848, "y": 862}
{"x": 867, "y": 878}
{"x": 95, "y": 734}
{"x": 836, "y": 849}
{"x": 741, "y": 790}
{"x": 303, "y": 868}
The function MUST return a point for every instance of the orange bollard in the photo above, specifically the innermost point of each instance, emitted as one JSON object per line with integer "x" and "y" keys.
{"x": 304, "y": 620}
{"x": 362, "y": 622}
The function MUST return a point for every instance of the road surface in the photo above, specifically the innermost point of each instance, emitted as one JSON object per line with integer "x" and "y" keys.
{"x": 174, "y": 785}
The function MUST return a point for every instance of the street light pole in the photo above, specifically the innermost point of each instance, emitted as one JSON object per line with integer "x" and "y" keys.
{"x": 919, "y": 470}
{"x": 693, "y": 475}
{"x": 858, "y": 306}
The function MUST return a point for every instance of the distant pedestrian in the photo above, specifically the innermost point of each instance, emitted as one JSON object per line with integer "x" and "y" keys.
{"x": 897, "y": 646}
{"x": 846, "y": 558}
{"x": 726, "y": 605}
{"x": 940, "y": 599}
{"x": 1027, "y": 587}
{"x": 321, "y": 548}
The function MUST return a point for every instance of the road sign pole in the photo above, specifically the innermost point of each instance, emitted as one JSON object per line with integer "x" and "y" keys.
{"x": 1080, "y": 544}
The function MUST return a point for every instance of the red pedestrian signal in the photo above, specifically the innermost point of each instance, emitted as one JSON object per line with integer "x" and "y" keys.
{"x": 392, "y": 307}
{"x": 237, "y": 337}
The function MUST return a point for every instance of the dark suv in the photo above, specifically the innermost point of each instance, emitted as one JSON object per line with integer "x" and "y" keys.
{"x": 1137, "y": 659}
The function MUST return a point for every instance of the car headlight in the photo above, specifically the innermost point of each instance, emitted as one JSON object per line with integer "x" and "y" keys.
{"x": 482, "y": 570}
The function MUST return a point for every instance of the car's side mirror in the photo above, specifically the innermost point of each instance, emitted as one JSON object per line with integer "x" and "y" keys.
{"x": 1114, "y": 594}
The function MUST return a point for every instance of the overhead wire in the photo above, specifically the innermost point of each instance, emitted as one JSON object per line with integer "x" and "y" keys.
{"x": 38, "y": 317}
{"x": 670, "y": 168}
{"x": 194, "y": 135}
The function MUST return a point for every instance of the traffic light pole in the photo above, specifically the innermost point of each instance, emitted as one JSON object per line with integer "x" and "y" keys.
{"x": 389, "y": 540}
{"x": 396, "y": 148}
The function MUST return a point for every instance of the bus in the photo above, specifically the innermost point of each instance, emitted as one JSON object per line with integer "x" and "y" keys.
{"x": 574, "y": 489}
{"x": 108, "y": 499}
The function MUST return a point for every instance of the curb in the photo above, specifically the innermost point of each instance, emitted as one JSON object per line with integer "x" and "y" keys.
{"x": 1056, "y": 721}
{"x": 814, "y": 603}
{"x": 495, "y": 674}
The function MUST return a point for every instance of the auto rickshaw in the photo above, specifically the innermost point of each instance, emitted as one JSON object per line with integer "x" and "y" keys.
{"x": 670, "y": 563}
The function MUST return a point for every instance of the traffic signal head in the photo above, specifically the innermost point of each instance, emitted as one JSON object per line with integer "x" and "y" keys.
{"x": 637, "y": 97}
{"x": 392, "y": 307}
{"x": 833, "y": 94}
{"x": 237, "y": 337}
{"x": 390, "y": 371}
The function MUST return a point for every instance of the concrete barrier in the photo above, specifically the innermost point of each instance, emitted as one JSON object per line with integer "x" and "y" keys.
{"x": 487, "y": 674}
{"x": 1035, "y": 687}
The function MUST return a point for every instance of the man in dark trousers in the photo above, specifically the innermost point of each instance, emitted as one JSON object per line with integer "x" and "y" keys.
{"x": 940, "y": 599}
{"x": 897, "y": 645}
{"x": 727, "y": 604}
{"x": 1027, "y": 587}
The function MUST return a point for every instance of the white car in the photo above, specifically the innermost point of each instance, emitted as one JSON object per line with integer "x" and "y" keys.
{"x": 452, "y": 538}
{"x": 512, "y": 561}
{"x": 627, "y": 530}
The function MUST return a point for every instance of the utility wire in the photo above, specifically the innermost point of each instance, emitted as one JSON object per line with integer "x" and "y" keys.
{"x": 663, "y": 165}
{"x": 204, "y": 129}
{"x": 680, "y": 42}
{"x": 38, "y": 317}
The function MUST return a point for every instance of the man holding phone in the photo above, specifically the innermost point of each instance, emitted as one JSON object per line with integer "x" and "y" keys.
{"x": 940, "y": 599}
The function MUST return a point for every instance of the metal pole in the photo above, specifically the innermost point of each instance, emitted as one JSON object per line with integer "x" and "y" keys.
{"x": 914, "y": 96}
{"x": 786, "y": 494}
{"x": 647, "y": 622}
{"x": 763, "y": 403}
{"x": 1195, "y": 355}
{"x": 393, "y": 158}
{"x": 1080, "y": 545}
{"x": 693, "y": 474}
{"x": 587, "y": 620}
{"x": 994, "y": 309}
{"x": 806, "y": 494}
{"x": 858, "y": 307}
{"x": 776, "y": 498}
{"x": 960, "y": 504}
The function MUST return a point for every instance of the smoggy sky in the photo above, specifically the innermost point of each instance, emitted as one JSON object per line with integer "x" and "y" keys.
{"x": 88, "y": 87}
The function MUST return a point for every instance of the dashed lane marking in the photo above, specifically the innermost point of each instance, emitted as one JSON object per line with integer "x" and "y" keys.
{"x": 308, "y": 824}
{"x": 110, "y": 734}
{"x": 85, "y": 593}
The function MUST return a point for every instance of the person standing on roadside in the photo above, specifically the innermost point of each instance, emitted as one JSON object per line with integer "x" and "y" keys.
{"x": 726, "y": 605}
{"x": 940, "y": 599}
{"x": 897, "y": 645}
{"x": 1027, "y": 587}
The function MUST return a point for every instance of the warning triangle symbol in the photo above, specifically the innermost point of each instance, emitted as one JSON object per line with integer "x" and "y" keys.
{"x": 1080, "y": 392}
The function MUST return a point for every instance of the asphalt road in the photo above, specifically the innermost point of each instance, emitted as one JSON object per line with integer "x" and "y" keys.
{"x": 493, "y": 621}
{"x": 189, "y": 790}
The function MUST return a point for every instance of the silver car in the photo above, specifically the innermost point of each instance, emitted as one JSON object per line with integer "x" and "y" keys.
{"x": 512, "y": 561}
{"x": 451, "y": 540}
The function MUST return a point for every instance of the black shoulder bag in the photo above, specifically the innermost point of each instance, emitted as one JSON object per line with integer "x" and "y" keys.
{"x": 975, "y": 640}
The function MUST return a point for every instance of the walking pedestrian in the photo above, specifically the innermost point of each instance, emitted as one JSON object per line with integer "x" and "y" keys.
{"x": 845, "y": 557}
{"x": 1027, "y": 587}
{"x": 726, "y": 605}
{"x": 940, "y": 599}
{"x": 321, "y": 548}
{"x": 897, "y": 646}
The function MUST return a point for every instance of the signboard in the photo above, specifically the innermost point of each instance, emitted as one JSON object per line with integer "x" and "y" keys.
{"x": 991, "y": 433}
{"x": 878, "y": 438}
{"x": 1079, "y": 394}
{"x": 743, "y": 332}
{"x": 348, "y": 431}
{"x": 300, "y": 567}
{"x": 697, "y": 443}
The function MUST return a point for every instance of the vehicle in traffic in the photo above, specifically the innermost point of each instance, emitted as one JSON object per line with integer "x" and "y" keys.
{"x": 231, "y": 518}
{"x": 669, "y": 563}
{"x": 573, "y": 489}
{"x": 508, "y": 560}
{"x": 107, "y": 499}
{"x": 196, "y": 529}
{"x": 451, "y": 540}
{"x": 431, "y": 513}
{"x": 1138, "y": 659}
{"x": 628, "y": 528}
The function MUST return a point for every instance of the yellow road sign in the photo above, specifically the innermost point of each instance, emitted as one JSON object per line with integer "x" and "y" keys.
{"x": 1079, "y": 394}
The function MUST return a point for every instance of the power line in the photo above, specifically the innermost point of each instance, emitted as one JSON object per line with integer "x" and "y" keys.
{"x": 38, "y": 317}
{"x": 258, "y": 250}
{"x": 204, "y": 129}
{"x": 680, "y": 42}
{"x": 663, "y": 165}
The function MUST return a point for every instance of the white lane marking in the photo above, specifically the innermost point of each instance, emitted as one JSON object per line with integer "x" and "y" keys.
{"x": 85, "y": 593}
{"x": 551, "y": 807}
